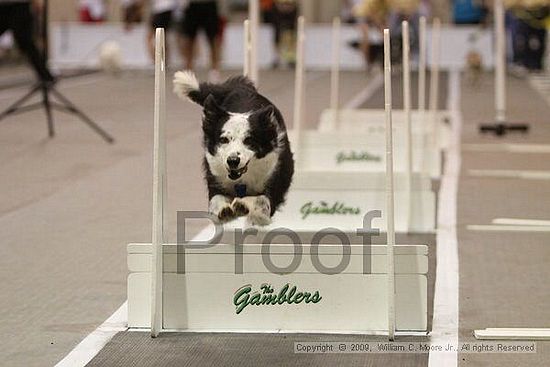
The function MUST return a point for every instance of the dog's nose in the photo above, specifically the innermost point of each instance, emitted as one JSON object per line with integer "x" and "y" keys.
{"x": 233, "y": 161}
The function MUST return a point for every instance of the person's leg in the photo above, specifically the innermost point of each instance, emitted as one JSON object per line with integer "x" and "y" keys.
{"x": 158, "y": 20}
{"x": 537, "y": 42}
{"x": 5, "y": 17}
{"x": 277, "y": 30}
{"x": 188, "y": 44}
{"x": 188, "y": 29}
{"x": 22, "y": 27}
{"x": 210, "y": 22}
{"x": 543, "y": 34}
{"x": 150, "y": 40}
{"x": 521, "y": 42}
{"x": 365, "y": 44}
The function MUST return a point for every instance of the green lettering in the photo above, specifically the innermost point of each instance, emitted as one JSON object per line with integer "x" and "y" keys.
{"x": 240, "y": 300}
{"x": 306, "y": 210}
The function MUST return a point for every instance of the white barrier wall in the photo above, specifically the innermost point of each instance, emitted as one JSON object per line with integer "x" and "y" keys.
{"x": 77, "y": 45}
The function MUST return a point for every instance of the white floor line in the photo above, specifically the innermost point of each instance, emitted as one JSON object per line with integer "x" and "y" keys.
{"x": 521, "y": 222}
{"x": 507, "y": 148}
{"x": 513, "y": 334}
{"x": 445, "y": 314}
{"x": 503, "y": 173}
{"x": 97, "y": 339}
{"x": 374, "y": 84}
{"x": 505, "y": 228}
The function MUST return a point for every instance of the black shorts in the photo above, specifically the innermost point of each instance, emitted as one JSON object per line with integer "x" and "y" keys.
{"x": 201, "y": 15}
{"x": 162, "y": 20}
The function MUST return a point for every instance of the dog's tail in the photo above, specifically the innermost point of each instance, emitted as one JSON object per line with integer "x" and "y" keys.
{"x": 187, "y": 86}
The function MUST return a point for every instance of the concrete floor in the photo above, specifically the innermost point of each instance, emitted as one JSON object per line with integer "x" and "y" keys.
{"x": 70, "y": 205}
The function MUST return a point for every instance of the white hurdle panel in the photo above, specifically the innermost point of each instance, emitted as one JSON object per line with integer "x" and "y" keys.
{"x": 383, "y": 288}
{"x": 427, "y": 159}
{"x": 203, "y": 299}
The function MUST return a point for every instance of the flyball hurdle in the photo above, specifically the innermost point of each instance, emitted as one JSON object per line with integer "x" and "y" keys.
{"x": 340, "y": 176}
{"x": 430, "y": 129}
{"x": 378, "y": 290}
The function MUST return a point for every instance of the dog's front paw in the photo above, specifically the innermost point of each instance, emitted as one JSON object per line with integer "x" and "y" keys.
{"x": 260, "y": 213}
{"x": 220, "y": 207}
{"x": 226, "y": 214}
{"x": 240, "y": 207}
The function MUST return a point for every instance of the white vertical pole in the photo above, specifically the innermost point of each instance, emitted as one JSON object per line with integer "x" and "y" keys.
{"x": 254, "y": 16}
{"x": 335, "y": 72}
{"x": 299, "y": 83}
{"x": 500, "y": 72}
{"x": 246, "y": 47}
{"x": 434, "y": 81}
{"x": 159, "y": 184}
{"x": 408, "y": 127}
{"x": 422, "y": 56}
{"x": 389, "y": 186}
{"x": 422, "y": 65}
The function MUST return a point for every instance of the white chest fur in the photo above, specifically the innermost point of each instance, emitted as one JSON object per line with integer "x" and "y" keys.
{"x": 255, "y": 179}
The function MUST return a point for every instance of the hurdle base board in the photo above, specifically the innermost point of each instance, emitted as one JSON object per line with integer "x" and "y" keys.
{"x": 360, "y": 152}
{"x": 372, "y": 121}
{"x": 203, "y": 298}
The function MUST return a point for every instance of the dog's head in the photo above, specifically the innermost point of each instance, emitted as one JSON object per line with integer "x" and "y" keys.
{"x": 234, "y": 140}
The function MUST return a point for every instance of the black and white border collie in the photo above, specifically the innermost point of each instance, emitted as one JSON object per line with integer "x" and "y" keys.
{"x": 248, "y": 163}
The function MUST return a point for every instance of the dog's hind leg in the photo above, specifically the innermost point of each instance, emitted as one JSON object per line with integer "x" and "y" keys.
{"x": 220, "y": 206}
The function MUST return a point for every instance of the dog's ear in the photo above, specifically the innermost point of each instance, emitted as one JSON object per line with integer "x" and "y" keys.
{"x": 214, "y": 116}
{"x": 265, "y": 118}
{"x": 212, "y": 110}
{"x": 264, "y": 129}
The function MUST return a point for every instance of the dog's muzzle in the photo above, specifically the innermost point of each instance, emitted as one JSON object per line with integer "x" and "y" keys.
{"x": 235, "y": 174}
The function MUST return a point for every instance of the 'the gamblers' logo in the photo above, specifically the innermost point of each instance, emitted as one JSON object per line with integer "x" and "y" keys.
{"x": 266, "y": 295}
{"x": 322, "y": 207}
{"x": 355, "y": 156}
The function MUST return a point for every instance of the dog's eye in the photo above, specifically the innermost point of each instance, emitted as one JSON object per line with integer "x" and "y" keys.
{"x": 224, "y": 140}
{"x": 248, "y": 141}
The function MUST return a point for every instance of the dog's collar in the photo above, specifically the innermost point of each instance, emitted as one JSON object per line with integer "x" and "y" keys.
{"x": 240, "y": 190}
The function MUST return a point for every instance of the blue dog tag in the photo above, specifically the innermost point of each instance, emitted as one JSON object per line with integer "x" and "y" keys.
{"x": 240, "y": 190}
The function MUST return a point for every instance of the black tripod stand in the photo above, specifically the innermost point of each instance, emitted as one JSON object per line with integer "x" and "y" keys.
{"x": 47, "y": 93}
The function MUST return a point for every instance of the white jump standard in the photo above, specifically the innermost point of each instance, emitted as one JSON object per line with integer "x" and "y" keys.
{"x": 501, "y": 127}
{"x": 204, "y": 289}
